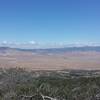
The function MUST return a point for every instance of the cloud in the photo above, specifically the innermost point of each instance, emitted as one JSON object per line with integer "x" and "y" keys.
{"x": 32, "y": 42}
{"x": 4, "y": 42}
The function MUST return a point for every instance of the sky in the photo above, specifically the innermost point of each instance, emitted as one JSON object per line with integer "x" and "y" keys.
{"x": 49, "y": 21}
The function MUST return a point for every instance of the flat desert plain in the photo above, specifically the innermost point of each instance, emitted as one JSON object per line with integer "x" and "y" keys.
{"x": 68, "y": 60}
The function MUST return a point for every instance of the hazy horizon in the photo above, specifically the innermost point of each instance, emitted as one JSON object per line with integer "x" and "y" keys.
{"x": 34, "y": 45}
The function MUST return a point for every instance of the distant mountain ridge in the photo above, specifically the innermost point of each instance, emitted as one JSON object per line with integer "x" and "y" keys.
{"x": 54, "y": 50}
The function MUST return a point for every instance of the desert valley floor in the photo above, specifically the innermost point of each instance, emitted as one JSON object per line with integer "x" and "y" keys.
{"x": 68, "y": 60}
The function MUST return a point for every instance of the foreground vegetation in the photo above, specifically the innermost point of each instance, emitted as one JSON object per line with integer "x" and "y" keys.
{"x": 18, "y": 84}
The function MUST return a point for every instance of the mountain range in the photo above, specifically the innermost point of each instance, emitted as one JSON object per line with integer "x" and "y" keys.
{"x": 53, "y": 50}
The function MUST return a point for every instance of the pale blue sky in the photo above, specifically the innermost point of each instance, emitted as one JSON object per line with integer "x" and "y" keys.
{"x": 50, "y": 21}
